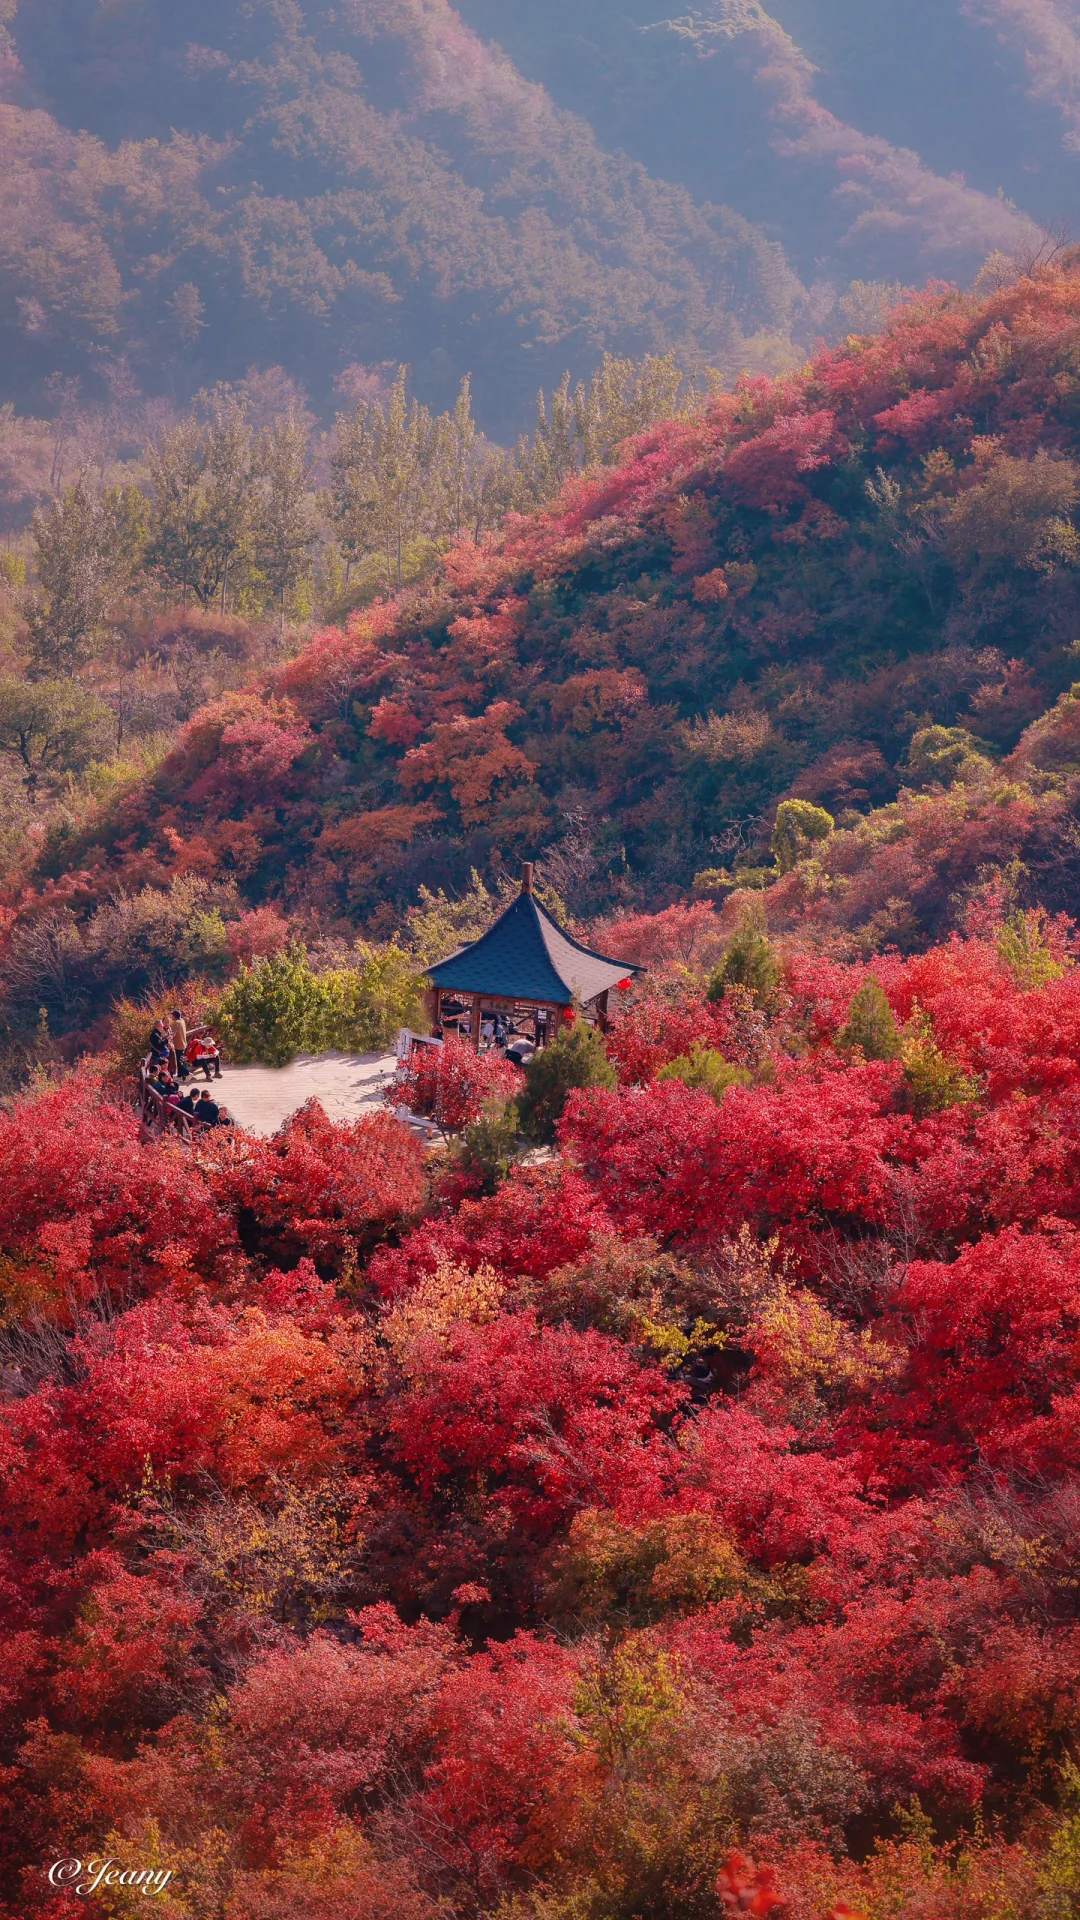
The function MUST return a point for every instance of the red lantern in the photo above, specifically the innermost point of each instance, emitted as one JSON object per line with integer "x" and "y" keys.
{"x": 624, "y": 986}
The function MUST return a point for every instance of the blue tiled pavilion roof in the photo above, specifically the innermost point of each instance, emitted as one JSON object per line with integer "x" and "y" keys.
{"x": 525, "y": 955}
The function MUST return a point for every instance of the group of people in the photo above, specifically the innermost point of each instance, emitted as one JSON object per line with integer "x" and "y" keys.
{"x": 181, "y": 1053}
{"x": 173, "y": 1057}
{"x": 496, "y": 1030}
{"x": 201, "y": 1108}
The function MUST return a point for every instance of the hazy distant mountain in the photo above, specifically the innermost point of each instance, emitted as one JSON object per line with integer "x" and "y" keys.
{"x": 286, "y": 182}
{"x": 873, "y": 138}
{"x": 191, "y": 189}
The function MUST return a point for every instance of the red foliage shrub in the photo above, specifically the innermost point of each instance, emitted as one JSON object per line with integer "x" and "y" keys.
{"x": 451, "y": 1083}
{"x": 318, "y": 1187}
{"x": 540, "y": 1219}
{"x": 128, "y": 1659}
{"x": 323, "y": 1721}
{"x": 533, "y": 1422}
{"x": 992, "y": 1364}
{"x": 745, "y": 1888}
{"x": 764, "y": 470}
{"x": 806, "y": 1153}
{"x": 87, "y": 1209}
{"x": 659, "y": 1028}
{"x": 230, "y": 1393}
{"x": 260, "y": 932}
{"x": 503, "y": 1735}
{"x": 781, "y": 1505}
{"x": 651, "y": 939}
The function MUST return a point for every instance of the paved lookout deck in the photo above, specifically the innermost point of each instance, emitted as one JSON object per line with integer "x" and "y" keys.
{"x": 348, "y": 1085}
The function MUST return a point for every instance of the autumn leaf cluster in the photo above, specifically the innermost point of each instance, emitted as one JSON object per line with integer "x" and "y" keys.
{"x": 689, "y": 1519}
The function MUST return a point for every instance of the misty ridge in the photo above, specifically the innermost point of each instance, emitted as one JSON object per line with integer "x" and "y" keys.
{"x": 311, "y": 199}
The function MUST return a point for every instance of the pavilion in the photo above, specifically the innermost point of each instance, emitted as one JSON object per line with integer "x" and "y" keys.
{"x": 526, "y": 964}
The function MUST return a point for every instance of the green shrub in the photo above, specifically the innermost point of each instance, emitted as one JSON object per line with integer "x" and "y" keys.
{"x": 799, "y": 826}
{"x": 942, "y": 756}
{"x": 279, "y": 1007}
{"x": 870, "y": 1024}
{"x": 366, "y": 1005}
{"x": 490, "y": 1145}
{"x": 704, "y": 1067}
{"x": 750, "y": 961}
{"x": 1059, "y": 1879}
{"x": 1023, "y": 946}
{"x": 934, "y": 1082}
{"x": 272, "y": 1011}
{"x": 577, "y": 1058}
{"x": 712, "y": 880}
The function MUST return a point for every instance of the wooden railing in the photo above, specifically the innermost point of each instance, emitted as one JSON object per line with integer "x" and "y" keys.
{"x": 159, "y": 1117}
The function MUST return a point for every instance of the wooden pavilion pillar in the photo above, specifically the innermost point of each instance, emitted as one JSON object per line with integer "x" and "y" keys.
{"x": 476, "y": 1021}
{"x": 602, "y": 1010}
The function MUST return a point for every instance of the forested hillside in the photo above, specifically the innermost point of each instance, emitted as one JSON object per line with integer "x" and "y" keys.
{"x": 651, "y": 1494}
{"x": 682, "y": 1527}
{"x": 194, "y": 193}
{"x": 219, "y": 186}
{"x": 855, "y": 587}
{"x": 873, "y": 140}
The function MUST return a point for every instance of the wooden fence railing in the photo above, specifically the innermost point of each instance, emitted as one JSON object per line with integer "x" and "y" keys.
{"x": 158, "y": 1117}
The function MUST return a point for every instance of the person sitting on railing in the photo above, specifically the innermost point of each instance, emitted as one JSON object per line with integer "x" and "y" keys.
{"x": 156, "y": 1093}
{"x": 203, "y": 1054}
{"x": 225, "y": 1118}
{"x": 207, "y": 1110}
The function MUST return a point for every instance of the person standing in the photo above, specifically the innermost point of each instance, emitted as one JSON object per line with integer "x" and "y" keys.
{"x": 177, "y": 1040}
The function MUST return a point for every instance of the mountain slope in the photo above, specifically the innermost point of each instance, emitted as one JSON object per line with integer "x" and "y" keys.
{"x": 193, "y": 190}
{"x": 365, "y": 185}
{"x": 870, "y": 139}
{"x": 777, "y": 595}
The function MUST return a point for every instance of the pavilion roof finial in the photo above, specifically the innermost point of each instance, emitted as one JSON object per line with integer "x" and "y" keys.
{"x": 527, "y": 877}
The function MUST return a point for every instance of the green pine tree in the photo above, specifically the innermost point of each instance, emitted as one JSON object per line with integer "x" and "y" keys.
{"x": 799, "y": 826}
{"x": 704, "y": 1067}
{"x": 750, "y": 961}
{"x": 577, "y": 1058}
{"x": 870, "y": 1024}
